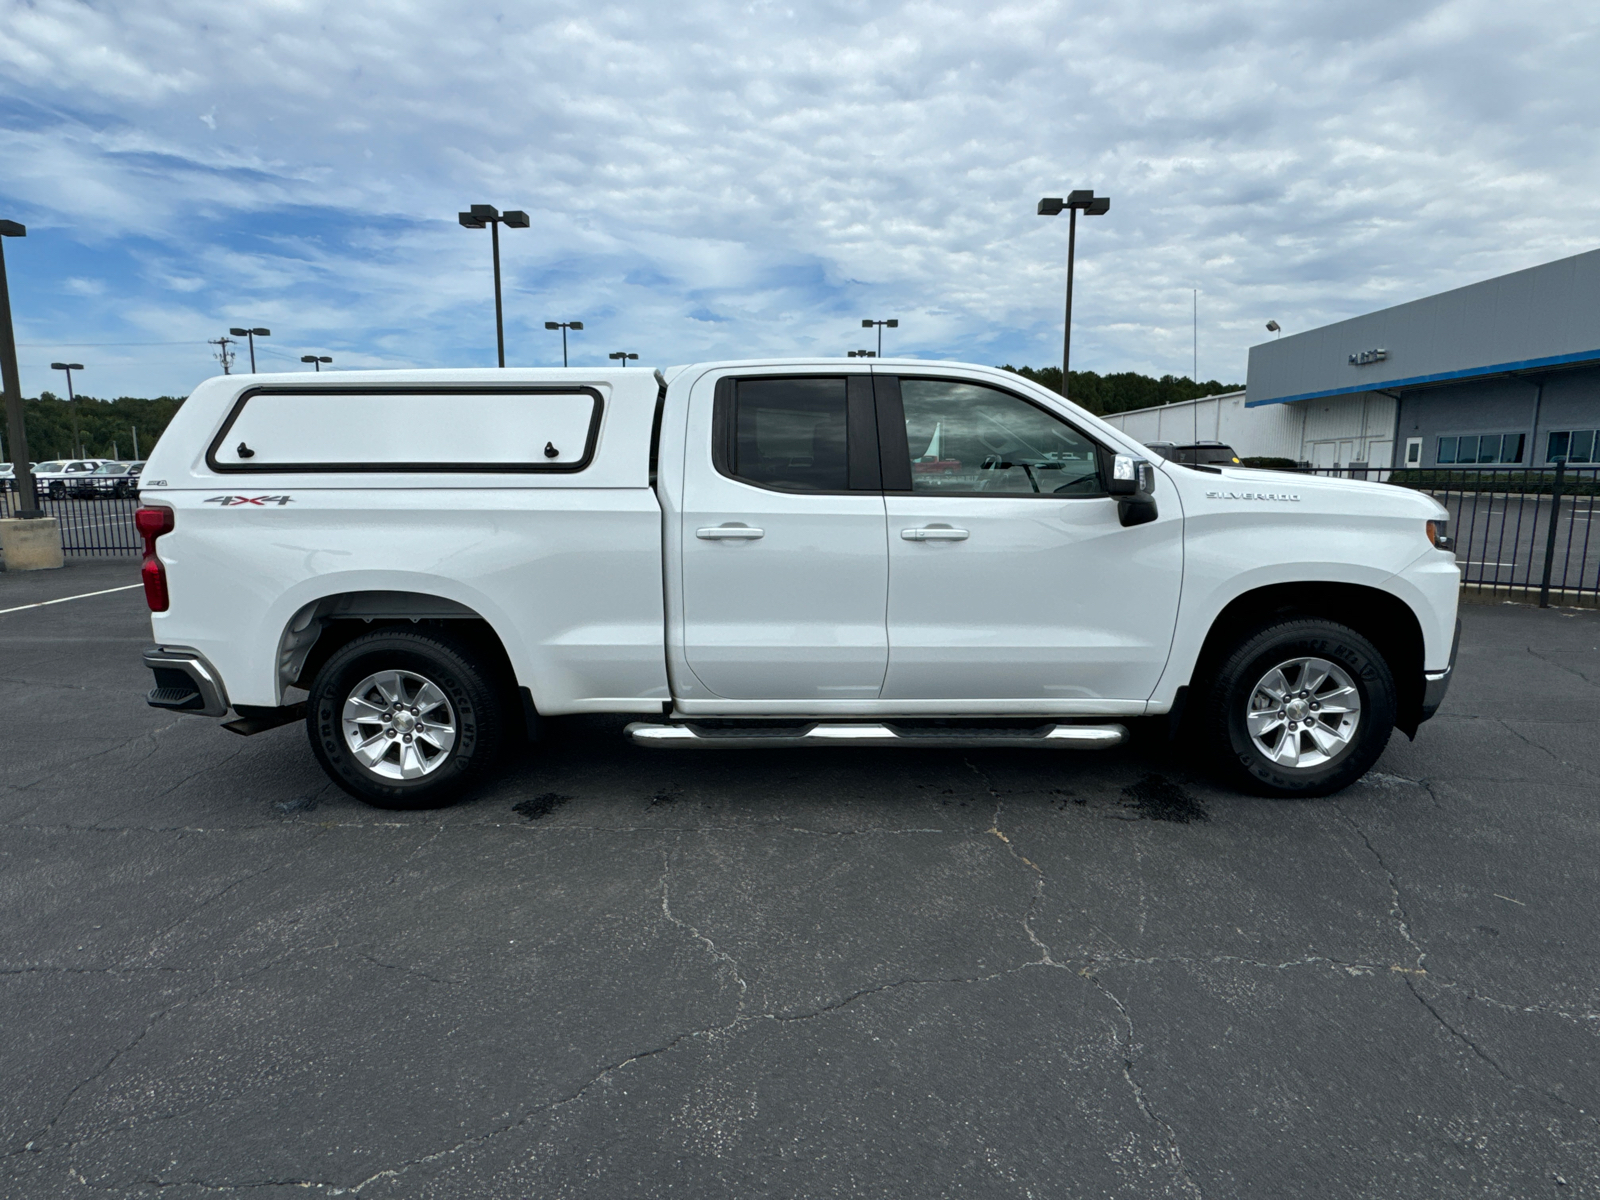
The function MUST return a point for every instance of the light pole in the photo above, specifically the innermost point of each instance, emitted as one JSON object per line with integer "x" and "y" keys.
{"x": 27, "y": 500}
{"x": 861, "y": 354}
{"x": 563, "y": 326}
{"x": 893, "y": 323}
{"x": 252, "y": 334}
{"x": 623, "y": 355}
{"x": 72, "y": 402}
{"x": 476, "y": 217}
{"x": 316, "y": 360}
{"x": 1090, "y": 205}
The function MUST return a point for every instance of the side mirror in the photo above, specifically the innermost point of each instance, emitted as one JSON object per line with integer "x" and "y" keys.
{"x": 1133, "y": 483}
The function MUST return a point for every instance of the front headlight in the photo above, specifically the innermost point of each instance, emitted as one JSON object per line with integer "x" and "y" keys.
{"x": 1438, "y": 533}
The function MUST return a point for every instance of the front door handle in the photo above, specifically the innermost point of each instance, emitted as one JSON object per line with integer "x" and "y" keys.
{"x": 935, "y": 533}
{"x": 727, "y": 533}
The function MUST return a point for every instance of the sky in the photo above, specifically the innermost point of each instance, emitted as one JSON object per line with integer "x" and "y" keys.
{"x": 713, "y": 180}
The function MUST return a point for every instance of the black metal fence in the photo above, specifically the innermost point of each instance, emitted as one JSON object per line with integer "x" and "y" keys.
{"x": 1518, "y": 530}
{"x": 95, "y": 525}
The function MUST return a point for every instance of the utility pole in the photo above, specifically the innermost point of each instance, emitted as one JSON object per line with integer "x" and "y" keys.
{"x": 1196, "y": 365}
{"x": 27, "y": 498}
{"x": 223, "y": 354}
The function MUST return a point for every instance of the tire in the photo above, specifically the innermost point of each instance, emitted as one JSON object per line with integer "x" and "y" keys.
{"x": 57, "y": 491}
{"x": 1337, "y": 736}
{"x": 454, "y": 706}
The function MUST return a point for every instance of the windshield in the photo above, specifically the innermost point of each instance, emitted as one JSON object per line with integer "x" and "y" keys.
{"x": 47, "y": 466}
{"x": 111, "y": 469}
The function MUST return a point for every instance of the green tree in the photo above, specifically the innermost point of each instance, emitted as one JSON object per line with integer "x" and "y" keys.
{"x": 106, "y": 427}
{"x": 1125, "y": 390}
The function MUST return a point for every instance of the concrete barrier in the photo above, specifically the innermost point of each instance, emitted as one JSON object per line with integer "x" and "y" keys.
{"x": 30, "y": 545}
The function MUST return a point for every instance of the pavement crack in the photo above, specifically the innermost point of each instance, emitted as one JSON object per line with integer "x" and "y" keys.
{"x": 1129, "y": 1050}
{"x": 417, "y": 971}
{"x": 1036, "y": 896}
{"x": 1521, "y": 737}
{"x": 1397, "y": 908}
{"x": 717, "y": 955}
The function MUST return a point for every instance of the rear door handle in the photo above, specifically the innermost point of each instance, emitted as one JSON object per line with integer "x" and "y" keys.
{"x": 725, "y": 533}
{"x": 935, "y": 533}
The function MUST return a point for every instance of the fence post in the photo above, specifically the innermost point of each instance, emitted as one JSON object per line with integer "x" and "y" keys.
{"x": 1550, "y": 536}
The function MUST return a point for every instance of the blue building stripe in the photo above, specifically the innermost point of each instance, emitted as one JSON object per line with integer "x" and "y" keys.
{"x": 1469, "y": 373}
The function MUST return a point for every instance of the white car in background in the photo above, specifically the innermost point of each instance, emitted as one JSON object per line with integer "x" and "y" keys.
{"x": 57, "y": 478}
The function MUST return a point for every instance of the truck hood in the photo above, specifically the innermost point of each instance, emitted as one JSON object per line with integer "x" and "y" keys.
{"x": 1312, "y": 492}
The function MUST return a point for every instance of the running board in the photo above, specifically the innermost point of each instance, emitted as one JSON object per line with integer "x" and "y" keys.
{"x": 1043, "y": 737}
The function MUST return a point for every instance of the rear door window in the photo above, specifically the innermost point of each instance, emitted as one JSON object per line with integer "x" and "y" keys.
{"x": 797, "y": 434}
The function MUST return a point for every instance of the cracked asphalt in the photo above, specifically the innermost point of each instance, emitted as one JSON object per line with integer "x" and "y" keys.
{"x": 828, "y": 973}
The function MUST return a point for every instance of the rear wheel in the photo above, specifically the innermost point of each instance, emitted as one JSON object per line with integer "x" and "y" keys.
{"x": 1300, "y": 708}
{"x": 405, "y": 719}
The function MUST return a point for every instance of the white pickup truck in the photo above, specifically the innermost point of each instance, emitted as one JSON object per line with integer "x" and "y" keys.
{"x": 759, "y": 554}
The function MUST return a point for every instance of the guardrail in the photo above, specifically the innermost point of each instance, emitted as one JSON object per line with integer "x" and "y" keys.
{"x": 100, "y": 524}
{"x": 1518, "y": 530}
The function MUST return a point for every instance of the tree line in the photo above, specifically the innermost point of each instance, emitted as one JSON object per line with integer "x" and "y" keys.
{"x": 119, "y": 428}
{"x": 1123, "y": 390}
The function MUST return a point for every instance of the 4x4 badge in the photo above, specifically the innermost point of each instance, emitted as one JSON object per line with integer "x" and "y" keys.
{"x": 235, "y": 501}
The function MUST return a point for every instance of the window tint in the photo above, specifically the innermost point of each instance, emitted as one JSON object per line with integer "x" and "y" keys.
{"x": 1557, "y": 449}
{"x": 1447, "y": 450}
{"x": 964, "y": 437}
{"x": 791, "y": 434}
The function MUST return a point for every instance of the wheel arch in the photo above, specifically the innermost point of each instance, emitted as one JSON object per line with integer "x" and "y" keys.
{"x": 321, "y": 627}
{"x": 1383, "y": 618}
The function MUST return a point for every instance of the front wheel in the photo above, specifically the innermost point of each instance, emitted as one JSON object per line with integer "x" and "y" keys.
{"x": 1300, "y": 708}
{"x": 405, "y": 719}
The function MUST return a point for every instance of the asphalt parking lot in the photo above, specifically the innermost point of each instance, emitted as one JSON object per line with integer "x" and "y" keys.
{"x": 802, "y": 974}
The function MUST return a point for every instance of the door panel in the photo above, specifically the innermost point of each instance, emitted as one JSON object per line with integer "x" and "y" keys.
{"x": 1046, "y": 597}
{"x": 795, "y": 611}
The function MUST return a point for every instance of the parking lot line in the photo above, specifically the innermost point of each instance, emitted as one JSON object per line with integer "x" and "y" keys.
{"x": 64, "y": 599}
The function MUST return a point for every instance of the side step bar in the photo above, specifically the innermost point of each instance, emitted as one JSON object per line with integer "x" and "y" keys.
{"x": 1044, "y": 737}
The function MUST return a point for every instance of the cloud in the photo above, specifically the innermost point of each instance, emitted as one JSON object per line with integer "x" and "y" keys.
{"x": 710, "y": 179}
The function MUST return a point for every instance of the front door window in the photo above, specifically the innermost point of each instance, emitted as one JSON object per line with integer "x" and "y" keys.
{"x": 968, "y": 439}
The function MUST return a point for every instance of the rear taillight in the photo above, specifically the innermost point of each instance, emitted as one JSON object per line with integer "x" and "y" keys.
{"x": 151, "y": 524}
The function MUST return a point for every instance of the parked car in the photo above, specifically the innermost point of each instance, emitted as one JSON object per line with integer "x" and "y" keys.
{"x": 1205, "y": 453}
{"x": 8, "y": 477}
{"x": 742, "y": 555}
{"x": 64, "y": 477}
{"x": 108, "y": 479}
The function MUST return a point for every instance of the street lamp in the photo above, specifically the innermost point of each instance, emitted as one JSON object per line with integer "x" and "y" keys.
{"x": 252, "y": 334}
{"x": 563, "y": 326}
{"x": 1274, "y": 327}
{"x": 476, "y": 217}
{"x": 893, "y": 323}
{"x": 27, "y": 500}
{"x": 316, "y": 360}
{"x": 1085, "y": 201}
{"x": 72, "y": 401}
{"x": 623, "y": 355}
{"x": 861, "y": 354}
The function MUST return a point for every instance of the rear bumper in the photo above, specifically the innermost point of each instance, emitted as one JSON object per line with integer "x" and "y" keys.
{"x": 185, "y": 682}
{"x": 1436, "y": 683}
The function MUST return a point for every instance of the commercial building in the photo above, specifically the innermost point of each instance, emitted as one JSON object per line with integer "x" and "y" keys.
{"x": 1503, "y": 371}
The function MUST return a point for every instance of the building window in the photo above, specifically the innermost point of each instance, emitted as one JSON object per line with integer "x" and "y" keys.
{"x": 1481, "y": 448}
{"x": 1573, "y": 446}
